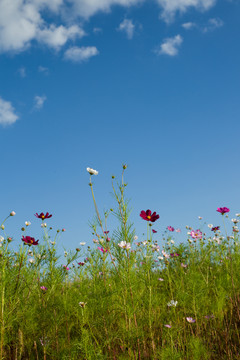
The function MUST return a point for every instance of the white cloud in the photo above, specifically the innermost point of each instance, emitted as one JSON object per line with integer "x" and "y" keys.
{"x": 170, "y": 46}
{"x": 128, "y": 27}
{"x": 87, "y": 8}
{"x": 7, "y": 113}
{"x": 25, "y": 21}
{"x": 80, "y": 54}
{"x": 188, "y": 25}
{"x": 43, "y": 70}
{"x": 39, "y": 101}
{"x": 22, "y": 72}
{"x": 213, "y": 24}
{"x": 171, "y": 7}
{"x": 21, "y": 22}
{"x": 56, "y": 37}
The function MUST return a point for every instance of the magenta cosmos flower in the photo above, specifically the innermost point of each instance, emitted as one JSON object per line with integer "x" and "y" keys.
{"x": 149, "y": 216}
{"x": 102, "y": 249}
{"x": 215, "y": 228}
{"x": 223, "y": 210}
{"x": 42, "y": 216}
{"x": 29, "y": 240}
{"x": 170, "y": 228}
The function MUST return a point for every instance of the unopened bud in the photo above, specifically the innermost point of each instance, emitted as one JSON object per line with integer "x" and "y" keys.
{"x": 12, "y": 213}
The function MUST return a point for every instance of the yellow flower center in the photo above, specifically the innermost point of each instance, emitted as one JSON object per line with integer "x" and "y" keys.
{"x": 149, "y": 217}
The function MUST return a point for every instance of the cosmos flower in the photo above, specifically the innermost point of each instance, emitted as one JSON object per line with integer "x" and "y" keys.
{"x": 81, "y": 263}
{"x": 102, "y": 249}
{"x": 149, "y": 216}
{"x": 178, "y": 230}
{"x": 124, "y": 245}
{"x": 43, "y": 288}
{"x": 215, "y": 228}
{"x": 82, "y": 304}
{"x": 168, "y": 326}
{"x": 29, "y": 240}
{"x": 172, "y": 303}
{"x": 154, "y": 231}
{"x": 223, "y": 210}
{"x": 92, "y": 171}
{"x": 190, "y": 320}
{"x": 42, "y": 216}
{"x": 170, "y": 228}
{"x": 196, "y": 234}
{"x": 65, "y": 267}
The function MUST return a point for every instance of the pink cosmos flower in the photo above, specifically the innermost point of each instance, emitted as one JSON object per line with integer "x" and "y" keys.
{"x": 178, "y": 230}
{"x": 168, "y": 326}
{"x": 196, "y": 234}
{"x": 102, "y": 249}
{"x": 170, "y": 228}
{"x": 149, "y": 216}
{"x": 43, "y": 288}
{"x": 65, "y": 267}
{"x": 223, "y": 210}
{"x": 190, "y": 320}
{"x": 183, "y": 265}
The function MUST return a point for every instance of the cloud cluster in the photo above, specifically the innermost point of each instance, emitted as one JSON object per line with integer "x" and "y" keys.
{"x": 171, "y": 7}
{"x": 39, "y": 101}
{"x": 7, "y": 113}
{"x": 22, "y": 21}
{"x": 80, "y": 54}
{"x": 127, "y": 27}
{"x": 170, "y": 46}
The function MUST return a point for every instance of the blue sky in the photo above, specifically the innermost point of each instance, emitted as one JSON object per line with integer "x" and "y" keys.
{"x": 153, "y": 84}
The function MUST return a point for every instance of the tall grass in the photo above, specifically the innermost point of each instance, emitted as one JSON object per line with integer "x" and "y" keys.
{"x": 122, "y": 298}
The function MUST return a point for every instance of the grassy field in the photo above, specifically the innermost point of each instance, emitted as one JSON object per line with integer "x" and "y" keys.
{"x": 122, "y": 298}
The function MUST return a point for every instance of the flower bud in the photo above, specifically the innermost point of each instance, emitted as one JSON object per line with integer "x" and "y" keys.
{"x": 2, "y": 227}
{"x": 12, "y": 213}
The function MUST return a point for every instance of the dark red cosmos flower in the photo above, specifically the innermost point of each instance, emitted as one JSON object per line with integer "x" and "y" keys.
{"x": 154, "y": 231}
{"x": 215, "y": 228}
{"x": 30, "y": 240}
{"x": 42, "y": 216}
{"x": 223, "y": 210}
{"x": 149, "y": 216}
{"x": 81, "y": 263}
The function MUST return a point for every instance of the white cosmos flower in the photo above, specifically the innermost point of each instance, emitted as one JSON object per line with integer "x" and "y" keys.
{"x": 135, "y": 238}
{"x": 124, "y": 245}
{"x": 1, "y": 238}
{"x": 92, "y": 171}
{"x": 165, "y": 254}
{"x": 210, "y": 226}
{"x": 27, "y": 223}
{"x": 31, "y": 260}
{"x": 172, "y": 303}
{"x": 82, "y": 243}
{"x": 144, "y": 242}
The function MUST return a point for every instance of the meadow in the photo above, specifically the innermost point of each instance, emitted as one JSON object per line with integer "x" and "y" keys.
{"x": 123, "y": 297}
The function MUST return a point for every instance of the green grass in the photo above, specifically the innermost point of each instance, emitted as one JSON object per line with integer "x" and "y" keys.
{"x": 115, "y": 306}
